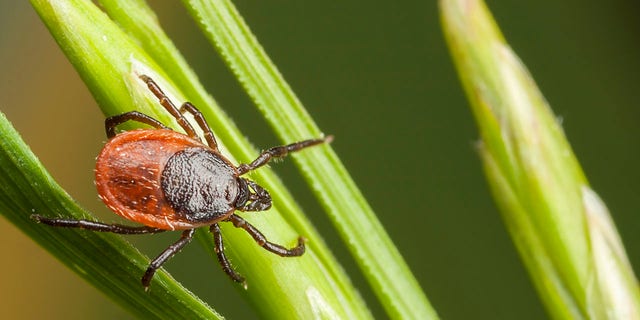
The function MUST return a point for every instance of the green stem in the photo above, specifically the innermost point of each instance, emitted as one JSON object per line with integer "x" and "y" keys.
{"x": 381, "y": 262}
{"x": 562, "y": 229}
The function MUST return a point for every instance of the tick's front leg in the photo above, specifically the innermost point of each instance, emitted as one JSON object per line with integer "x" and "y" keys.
{"x": 280, "y": 152}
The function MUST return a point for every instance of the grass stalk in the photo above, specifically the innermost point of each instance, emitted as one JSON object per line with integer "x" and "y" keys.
{"x": 379, "y": 260}
{"x": 561, "y": 228}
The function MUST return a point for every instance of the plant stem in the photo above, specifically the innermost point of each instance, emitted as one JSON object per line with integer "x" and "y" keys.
{"x": 561, "y": 228}
{"x": 378, "y": 258}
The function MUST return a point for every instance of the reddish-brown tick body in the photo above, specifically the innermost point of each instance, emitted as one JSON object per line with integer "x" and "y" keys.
{"x": 167, "y": 180}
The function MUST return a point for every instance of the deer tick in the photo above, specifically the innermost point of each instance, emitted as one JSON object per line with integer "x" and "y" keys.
{"x": 167, "y": 181}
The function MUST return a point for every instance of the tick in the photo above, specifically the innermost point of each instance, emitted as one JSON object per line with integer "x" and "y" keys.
{"x": 166, "y": 181}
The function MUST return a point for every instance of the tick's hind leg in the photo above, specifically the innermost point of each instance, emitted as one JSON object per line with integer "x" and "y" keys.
{"x": 186, "y": 237}
{"x": 94, "y": 226}
{"x": 111, "y": 122}
{"x": 296, "y": 251}
{"x": 280, "y": 152}
{"x": 222, "y": 258}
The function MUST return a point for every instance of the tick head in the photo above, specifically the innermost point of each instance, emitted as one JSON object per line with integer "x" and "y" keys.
{"x": 252, "y": 197}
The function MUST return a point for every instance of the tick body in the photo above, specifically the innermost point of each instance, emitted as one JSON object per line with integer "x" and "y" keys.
{"x": 167, "y": 181}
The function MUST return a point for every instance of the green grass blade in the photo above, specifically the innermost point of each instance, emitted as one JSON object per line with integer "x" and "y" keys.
{"x": 561, "y": 228}
{"x": 105, "y": 260}
{"x": 380, "y": 261}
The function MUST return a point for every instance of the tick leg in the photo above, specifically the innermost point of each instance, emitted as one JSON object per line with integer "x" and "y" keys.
{"x": 262, "y": 240}
{"x": 94, "y": 226}
{"x": 222, "y": 258}
{"x": 111, "y": 122}
{"x": 197, "y": 115}
{"x": 167, "y": 104}
{"x": 279, "y": 152}
{"x": 186, "y": 237}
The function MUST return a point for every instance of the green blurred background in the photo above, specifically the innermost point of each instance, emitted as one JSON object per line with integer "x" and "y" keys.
{"x": 378, "y": 76}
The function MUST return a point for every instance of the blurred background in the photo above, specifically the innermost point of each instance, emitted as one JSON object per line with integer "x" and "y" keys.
{"x": 378, "y": 76}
